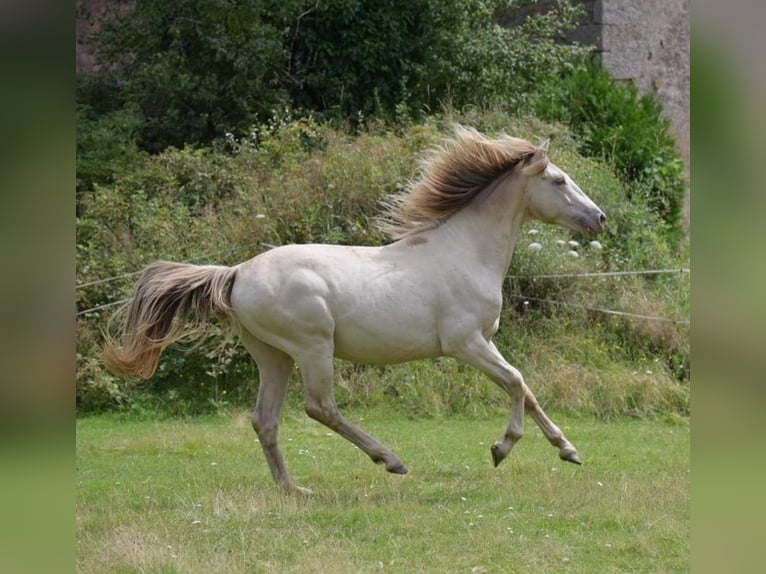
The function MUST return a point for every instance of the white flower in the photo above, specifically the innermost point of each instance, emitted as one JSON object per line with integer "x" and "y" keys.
{"x": 535, "y": 246}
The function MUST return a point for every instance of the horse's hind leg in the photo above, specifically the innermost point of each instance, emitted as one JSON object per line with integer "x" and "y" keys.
{"x": 274, "y": 368}
{"x": 317, "y": 370}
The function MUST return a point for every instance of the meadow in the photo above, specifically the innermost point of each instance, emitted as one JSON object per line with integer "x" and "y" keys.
{"x": 159, "y": 494}
{"x": 170, "y": 477}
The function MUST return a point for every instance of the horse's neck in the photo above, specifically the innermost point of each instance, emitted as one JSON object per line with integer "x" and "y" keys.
{"x": 484, "y": 233}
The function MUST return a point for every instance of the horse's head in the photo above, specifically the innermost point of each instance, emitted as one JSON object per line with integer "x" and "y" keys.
{"x": 553, "y": 197}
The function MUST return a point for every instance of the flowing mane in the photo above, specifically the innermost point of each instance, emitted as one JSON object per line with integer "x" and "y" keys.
{"x": 452, "y": 175}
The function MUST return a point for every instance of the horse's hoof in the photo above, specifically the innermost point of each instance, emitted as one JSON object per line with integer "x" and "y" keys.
{"x": 570, "y": 457}
{"x": 397, "y": 469}
{"x": 497, "y": 455}
{"x": 295, "y": 490}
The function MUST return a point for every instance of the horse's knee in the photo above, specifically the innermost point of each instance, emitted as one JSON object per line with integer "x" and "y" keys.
{"x": 515, "y": 378}
{"x": 513, "y": 383}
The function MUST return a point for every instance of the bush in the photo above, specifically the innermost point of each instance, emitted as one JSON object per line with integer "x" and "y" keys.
{"x": 613, "y": 122}
{"x": 299, "y": 181}
{"x": 394, "y": 61}
{"x": 194, "y": 68}
{"x": 106, "y": 147}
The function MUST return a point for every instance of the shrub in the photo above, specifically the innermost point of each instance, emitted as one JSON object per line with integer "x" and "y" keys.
{"x": 106, "y": 147}
{"x": 300, "y": 181}
{"x": 395, "y": 61}
{"x": 195, "y": 68}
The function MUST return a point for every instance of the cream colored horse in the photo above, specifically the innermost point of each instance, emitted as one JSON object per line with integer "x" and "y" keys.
{"x": 434, "y": 291}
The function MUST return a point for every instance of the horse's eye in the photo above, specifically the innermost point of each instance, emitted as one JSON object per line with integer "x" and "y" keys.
{"x": 559, "y": 181}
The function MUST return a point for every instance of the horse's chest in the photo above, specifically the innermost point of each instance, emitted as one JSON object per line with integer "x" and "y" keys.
{"x": 486, "y": 308}
{"x": 491, "y": 315}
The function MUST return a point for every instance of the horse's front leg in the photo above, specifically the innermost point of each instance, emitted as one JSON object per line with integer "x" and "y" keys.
{"x": 555, "y": 436}
{"x": 483, "y": 354}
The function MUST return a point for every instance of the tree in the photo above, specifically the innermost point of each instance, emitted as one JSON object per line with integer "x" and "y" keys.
{"x": 194, "y": 68}
{"x": 197, "y": 69}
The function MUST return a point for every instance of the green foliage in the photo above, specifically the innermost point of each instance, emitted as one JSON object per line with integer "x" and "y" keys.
{"x": 295, "y": 181}
{"x": 612, "y": 121}
{"x": 195, "y": 68}
{"x": 199, "y": 70}
{"x": 395, "y": 61}
{"x": 106, "y": 147}
{"x": 350, "y": 56}
{"x": 473, "y": 64}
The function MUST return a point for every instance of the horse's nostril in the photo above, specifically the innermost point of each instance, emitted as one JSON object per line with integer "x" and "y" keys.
{"x": 602, "y": 219}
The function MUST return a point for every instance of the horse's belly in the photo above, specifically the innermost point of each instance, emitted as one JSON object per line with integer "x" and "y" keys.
{"x": 384, "y": 344}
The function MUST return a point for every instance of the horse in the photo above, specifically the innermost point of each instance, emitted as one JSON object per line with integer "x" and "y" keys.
{"x": 434, "y": 290}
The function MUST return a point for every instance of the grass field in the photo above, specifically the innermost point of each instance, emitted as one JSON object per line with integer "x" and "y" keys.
{"x": 195, "y": 495}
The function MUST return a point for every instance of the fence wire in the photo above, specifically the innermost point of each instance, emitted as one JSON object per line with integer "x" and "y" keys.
{"x": 587, "y": 274}
{"x": 605, "y": 311}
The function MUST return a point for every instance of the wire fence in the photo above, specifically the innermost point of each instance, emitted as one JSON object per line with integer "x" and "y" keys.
{"x": 585, "y": 274}
{"x": 605, "y": 311}
{"x": 195, "y": 260}
{"x": 207, "y": 256}
{"x": 592, "y": 274}
{"x": 99, "y": 307}
{"x": 679, "y": 271}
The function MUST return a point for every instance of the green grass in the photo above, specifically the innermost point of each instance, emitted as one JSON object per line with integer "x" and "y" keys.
{"x": 195, "y": 495}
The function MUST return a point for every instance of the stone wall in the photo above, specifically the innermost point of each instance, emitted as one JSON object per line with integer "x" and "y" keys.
{"x": 645, "y": 42}
{"x": 88, "y": 14}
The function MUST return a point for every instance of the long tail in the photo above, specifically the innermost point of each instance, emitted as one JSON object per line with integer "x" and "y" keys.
{"x": 170, "y": 300}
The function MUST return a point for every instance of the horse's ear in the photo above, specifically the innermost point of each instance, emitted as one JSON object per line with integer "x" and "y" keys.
{"x": 543, "y": 147}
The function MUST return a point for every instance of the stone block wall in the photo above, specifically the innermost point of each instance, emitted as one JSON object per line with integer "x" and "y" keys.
{"x": 645, "y": 42}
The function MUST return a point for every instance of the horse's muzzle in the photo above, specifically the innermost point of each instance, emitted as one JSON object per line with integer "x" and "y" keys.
{"x": 600, "y": 223}
{"x": 593, "y": 223}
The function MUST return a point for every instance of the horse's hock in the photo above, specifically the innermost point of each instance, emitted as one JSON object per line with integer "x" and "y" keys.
{"x": 644, "y": 42}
